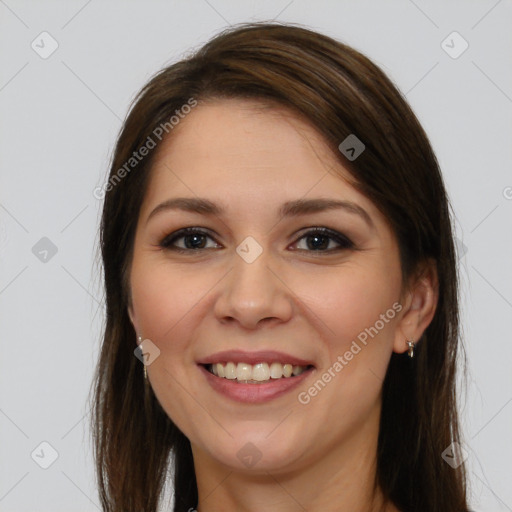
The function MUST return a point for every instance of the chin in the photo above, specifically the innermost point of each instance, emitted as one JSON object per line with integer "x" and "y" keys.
{"x": 253, "y": 453}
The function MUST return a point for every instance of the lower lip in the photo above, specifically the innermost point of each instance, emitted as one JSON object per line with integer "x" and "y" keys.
{"x": 254, "y": 393}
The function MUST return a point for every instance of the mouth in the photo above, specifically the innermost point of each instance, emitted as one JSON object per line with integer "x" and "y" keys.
{"x": 256, "y": 374}
{"x": 254, "y": 377}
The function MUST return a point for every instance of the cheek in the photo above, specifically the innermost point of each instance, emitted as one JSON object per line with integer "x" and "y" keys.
{"x": 164, "y": 296}
{"x": 166, "y": 301}
{"x": 353, "y": 302}
{"x": 357, "y": 312}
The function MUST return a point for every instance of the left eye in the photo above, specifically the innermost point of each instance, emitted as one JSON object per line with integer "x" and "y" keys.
{"x": 321, "y": 237}
{"x": 317, "y": 240}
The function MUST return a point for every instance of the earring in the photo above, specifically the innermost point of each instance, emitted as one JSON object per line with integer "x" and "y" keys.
{"x": 410, "y": 351}
{"x": 142, "y": 353}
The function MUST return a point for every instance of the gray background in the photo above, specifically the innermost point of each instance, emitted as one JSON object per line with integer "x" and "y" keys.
{"x": 60, "y": 116}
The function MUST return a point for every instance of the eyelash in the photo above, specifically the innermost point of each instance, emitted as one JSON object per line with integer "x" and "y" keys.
{"x": 341, "y": 239}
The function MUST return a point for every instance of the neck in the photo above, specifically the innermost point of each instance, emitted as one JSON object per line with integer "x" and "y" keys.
{"x": 343, "y": 476}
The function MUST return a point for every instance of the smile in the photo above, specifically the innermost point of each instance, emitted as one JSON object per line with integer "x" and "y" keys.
{"x": 255, "y": 373}
{"x": 251, "y": 391}
{"x": 254, "y": 377}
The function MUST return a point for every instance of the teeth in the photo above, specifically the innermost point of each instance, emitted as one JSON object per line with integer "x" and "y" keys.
{"x": 261, "y": 372}
{"x": 297, "y": 370}
{"x": 220, "y": 370}
{"x": 276, "y": 370}
{"x": 243, "y": 371}
{"x": 229, "y": 371}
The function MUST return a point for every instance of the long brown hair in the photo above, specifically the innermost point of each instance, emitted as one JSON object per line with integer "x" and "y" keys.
{"x": 341, "y": 92}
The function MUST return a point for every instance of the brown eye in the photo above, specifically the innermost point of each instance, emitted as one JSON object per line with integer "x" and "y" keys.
{"x": 194, "y": 239}
{"x": 319, "y": 239}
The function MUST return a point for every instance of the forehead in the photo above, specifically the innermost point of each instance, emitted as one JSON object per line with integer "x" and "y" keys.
{"x": 237, "y": 131}
{"x": 248, "y": 156}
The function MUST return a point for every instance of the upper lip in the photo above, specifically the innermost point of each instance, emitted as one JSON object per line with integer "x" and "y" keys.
{"x": 261, "y": 356}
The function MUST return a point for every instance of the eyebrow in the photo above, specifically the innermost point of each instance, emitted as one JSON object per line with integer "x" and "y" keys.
{"x": 289, "y": 209}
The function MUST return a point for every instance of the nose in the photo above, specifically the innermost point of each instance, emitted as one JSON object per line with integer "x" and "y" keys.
{"x": 253, "y": 294}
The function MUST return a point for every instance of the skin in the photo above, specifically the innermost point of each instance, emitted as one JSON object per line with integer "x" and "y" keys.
{"x": 292, "y": 298}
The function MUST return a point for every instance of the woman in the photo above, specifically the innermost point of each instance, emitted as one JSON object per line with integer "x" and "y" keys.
{"x": 278, "y": 251}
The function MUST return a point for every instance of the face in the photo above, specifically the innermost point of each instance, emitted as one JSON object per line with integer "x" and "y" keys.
{"x": 273, "y": 276}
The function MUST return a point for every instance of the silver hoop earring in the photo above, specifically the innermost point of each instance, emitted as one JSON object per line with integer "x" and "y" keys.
{"x": 410, "y": 350}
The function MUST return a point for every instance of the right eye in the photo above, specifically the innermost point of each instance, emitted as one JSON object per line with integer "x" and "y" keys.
{"x": 194, "y": 239}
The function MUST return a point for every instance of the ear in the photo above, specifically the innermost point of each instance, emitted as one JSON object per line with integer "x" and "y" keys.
{"x": 419, "y": 306}
{"x": 132, "y": 316}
